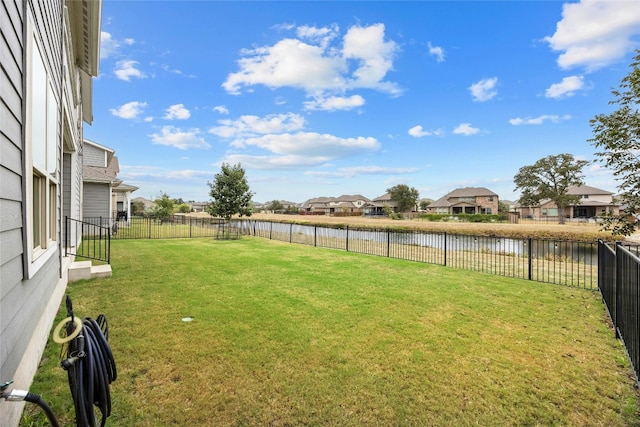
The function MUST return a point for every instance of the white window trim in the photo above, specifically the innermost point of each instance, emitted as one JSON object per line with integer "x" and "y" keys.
{"x": 37, "y": 257}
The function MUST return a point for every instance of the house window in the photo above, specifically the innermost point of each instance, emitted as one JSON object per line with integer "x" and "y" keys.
{"x": 41, "y": 123}
{"x": 38, "y": 201}
{"x": 491, "y": 198}
{"x": 585, "y": 196}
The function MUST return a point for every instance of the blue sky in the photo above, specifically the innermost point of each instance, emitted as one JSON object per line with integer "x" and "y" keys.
{"x": 330, "y": 98}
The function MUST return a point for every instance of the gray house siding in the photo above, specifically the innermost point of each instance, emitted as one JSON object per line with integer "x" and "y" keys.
{"x": 96, "y": 200}
{"x": 32, "y": 283}
{"x": 94, "y": 156}
{"x": 11, "y": 174}
{"x": 22, "y": 307}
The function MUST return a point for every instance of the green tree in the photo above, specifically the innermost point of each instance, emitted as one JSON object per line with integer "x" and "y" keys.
{"x": 550, "y": 178}
{"x": 291, "y": 210}
{"x": 276, "y": 206}
{"x": 424, "y": 204}
{"x": 137, "y": 208}
{"x": 405, "y": 196}
{"x": 230, "y": 193}
{"x": 164, "y": 207}
{"x": 184, "y": 208}
{"x": 617, "y": 135}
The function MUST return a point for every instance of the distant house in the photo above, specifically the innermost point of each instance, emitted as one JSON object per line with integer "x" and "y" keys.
{"x": 121, "y": 199}
{"x": 50, "y": 53}
{"x": 376, "y": 207}
{"x": 287, "y": 206}
{"x": 593, "y": 202}
{"x": 199, "y": 207}
{"x": 345, "y": 204}
{"x": 468, "y": 200}
{"x": 104, "y": 195}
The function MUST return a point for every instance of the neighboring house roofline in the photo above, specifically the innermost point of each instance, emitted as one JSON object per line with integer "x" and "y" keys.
{"x": 122, "y": 188}
{"x": 586, "y": 190}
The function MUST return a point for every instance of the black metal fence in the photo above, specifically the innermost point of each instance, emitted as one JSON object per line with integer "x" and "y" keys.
{"x": 619, "y": 283}
{"x": 87, "y": 239}
{"x": 572, "y": 263}
{"x": 178, "y": 226}
{"x": 563, "y": 262}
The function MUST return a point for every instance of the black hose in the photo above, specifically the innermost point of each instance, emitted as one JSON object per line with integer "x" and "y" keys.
{"x": 37, "y": 399}
{"x": 91, "y": 368}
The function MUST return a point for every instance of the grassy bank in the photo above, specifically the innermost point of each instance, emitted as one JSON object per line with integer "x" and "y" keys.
{"x": 294, "y": 335}
{"x": 543, "y": 230}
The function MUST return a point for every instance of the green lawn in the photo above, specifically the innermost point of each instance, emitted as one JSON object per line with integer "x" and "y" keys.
{"x": 290, "y": 335}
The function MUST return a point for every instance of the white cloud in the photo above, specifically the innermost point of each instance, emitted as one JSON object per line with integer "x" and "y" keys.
{"x": 484, "y": 90}
{"x": 595, "y": 33}
{"x": 127, "y": 69}
{"x": 334, "y": 103}
{"x": 177, "y": 112}
{"x": 287, "y": 146}
{"x": 310, "y": 144}
{"x": 275, "y": 162}
{"x": 108, "y": 45}
{"x": 465, "y": 129}
{"x": 361, "y": 170}
{"x": 539, "y": 120}
{"x": 154, "y": 173}
{"x": 566, "y": 88}
{"x": 418, "y": 132}
{"x": 314, "y": 65}
{"x": 221, "y": 109}
{"x": 321, "y": 36}
{"x": 253, "y": 125}
{"x": 436, "y": 51}
{"x": 375, "y": 56}
{"x": 175, "y": 137}
{"x": 130, "y": 110}
{"x": 289, "y": 62}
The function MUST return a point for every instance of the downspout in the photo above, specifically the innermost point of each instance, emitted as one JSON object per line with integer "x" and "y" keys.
{"x": 23, "y": 135}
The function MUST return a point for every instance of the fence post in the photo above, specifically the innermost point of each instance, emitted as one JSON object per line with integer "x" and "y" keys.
{"x": 616, "y": 292}
{"x": 270, "y": 230}
{"x": 445, "y": 248}
{"x": 290, "y": 232}
{"x": 315, "y": 235}
{"x": 108, "y": 247}
{"x": 530, "y": 258}
{"x": 347, "y": 239}
{"x": 388, "y": 242}
{"x": 149, "y": 222}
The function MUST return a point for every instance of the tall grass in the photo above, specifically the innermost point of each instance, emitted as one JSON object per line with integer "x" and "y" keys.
{"x": 294, "y": 335}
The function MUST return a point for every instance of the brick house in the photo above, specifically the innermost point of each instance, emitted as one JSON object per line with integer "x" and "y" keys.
{"x": 593, "y": 203}
{"x": 468, "y": 200}
{"x": 347, "y": 204}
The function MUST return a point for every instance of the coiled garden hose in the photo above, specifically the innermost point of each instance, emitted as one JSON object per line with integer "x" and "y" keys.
{"x": 90, "y": 366}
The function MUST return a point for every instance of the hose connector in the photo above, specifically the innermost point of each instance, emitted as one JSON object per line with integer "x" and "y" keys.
{"x": 15, "y": 395}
